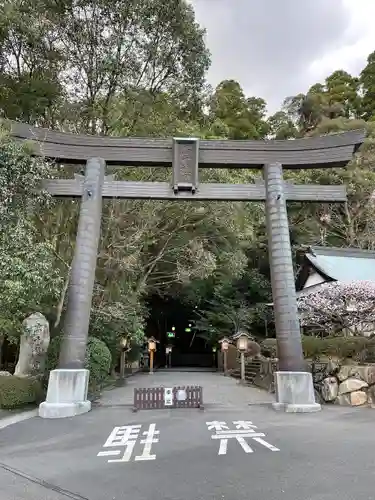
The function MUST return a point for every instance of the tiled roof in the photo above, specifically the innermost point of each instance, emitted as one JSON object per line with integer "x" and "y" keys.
{"x": 343, "y": 264}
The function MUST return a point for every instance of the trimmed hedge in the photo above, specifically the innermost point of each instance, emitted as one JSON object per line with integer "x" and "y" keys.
{"x": 16, "y": 392}
{"x": 315, "y": 347}
{"x": 98, "y": 360}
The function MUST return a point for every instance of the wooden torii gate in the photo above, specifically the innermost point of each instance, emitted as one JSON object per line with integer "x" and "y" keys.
{"x": 67, "y": 389}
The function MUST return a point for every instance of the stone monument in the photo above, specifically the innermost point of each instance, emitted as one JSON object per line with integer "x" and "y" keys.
{"x": 33, "y": 346}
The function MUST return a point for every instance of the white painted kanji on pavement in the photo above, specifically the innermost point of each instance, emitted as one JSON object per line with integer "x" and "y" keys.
{"x": 125, "y": 440}
{"x": 243, "y": 431}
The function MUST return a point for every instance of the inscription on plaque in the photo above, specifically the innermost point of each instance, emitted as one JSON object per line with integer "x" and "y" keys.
{"x": 185, "y": 164}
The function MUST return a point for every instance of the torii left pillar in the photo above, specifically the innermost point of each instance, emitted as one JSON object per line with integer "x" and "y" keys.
{"x": 68, "y": 385}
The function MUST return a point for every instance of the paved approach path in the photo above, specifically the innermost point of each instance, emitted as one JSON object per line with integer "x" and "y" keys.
{"x": 217, "y": 389}
{"x": 231, "y": 451}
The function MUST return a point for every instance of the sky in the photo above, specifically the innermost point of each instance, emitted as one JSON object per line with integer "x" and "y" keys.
{"x": 279, "y": 48}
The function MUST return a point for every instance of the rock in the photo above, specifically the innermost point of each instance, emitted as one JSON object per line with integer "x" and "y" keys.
{"x": 351, "y": 385}
{"x": 33, "y": 346}
{"x": 332, "y": 366}
{"x": 5, "y": 374}
{"x": 366, "y": 373}
{"x": 371, "y": 395}
{"x": 358, "y": 398}
{"x": 344, "y": 372}
{"x": 370, "y": 375}
{"x": 343, "y": 400}
{"x": 330, "y": 388}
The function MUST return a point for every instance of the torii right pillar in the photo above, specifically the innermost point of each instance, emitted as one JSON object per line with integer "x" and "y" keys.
{"x": 294, "y": 384}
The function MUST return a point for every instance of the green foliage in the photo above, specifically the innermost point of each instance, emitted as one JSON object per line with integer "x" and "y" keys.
{"x": 316, "y": 347}
{"x": 20, "y": 180}
{"x": 53, "y": 353}
{"x": 29, "y": 277}
{"x": 233, "y": 305}
{"x": 138, "y": 68}
{"x": 101, "y": 49}
{"x": 113, "y": 321}
{"x": 367, "y": 80}
{"x": 243, "y": 117}
{"x": 281, "y": 126}
{"x": 98, "y": 360}
{"x": 16, "y": 392}
{"x": 338, "y": 97}
{"x": 269, "y": 348}
{"x": 135, "y": 352}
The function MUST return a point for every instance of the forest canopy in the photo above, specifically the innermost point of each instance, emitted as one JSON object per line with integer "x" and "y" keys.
{"x": 138, "y": 68}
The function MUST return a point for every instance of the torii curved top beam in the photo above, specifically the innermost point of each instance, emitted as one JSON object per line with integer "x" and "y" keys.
{"x": 317, "y": 152}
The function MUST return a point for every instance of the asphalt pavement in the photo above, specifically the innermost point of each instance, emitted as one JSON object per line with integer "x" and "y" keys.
{"x": 238, "y": 448}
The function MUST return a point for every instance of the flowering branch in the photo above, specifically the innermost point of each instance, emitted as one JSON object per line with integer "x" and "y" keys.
{"x": 336, "y": 306}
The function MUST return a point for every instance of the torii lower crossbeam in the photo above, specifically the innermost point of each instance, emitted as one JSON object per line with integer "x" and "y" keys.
{"x": 205, "y": 192}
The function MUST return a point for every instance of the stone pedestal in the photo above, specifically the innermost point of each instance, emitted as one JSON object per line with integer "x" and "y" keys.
{"x": 295, "y": 392}
{"x": 66, "y": 394}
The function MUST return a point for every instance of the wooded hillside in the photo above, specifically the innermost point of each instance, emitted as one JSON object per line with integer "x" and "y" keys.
{"x": 138, "y": 68}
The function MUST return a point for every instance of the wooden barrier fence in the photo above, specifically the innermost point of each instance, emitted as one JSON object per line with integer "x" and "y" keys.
{"x": 158, "y": 398}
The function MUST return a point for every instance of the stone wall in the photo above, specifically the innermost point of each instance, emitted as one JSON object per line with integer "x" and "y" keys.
{"x": 259, "y": 372}
{"x": 347, "y": 385}
{"x": 351, "y": 385}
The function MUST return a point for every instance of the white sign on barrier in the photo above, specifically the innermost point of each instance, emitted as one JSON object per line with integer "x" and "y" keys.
{"x": 181, "y": 395}
{"x": 168, "y": 396}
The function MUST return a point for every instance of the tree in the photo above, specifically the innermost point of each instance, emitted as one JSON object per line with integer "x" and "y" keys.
{"x": 343, "y": 94}
{"x": 349, "y": 224}
{"x": 338, "y": 96}
{"x": 305, "y": 110}
{"x": 244, "y": 117}
{"x": 281, "y": 126}
{"x": 30, "y": 63}
{"x": 29, "y": 278}
{"x": 97, "y": 50}
{"x": 134, "y": 68}
{"x": 234, "y": 304}
{"x": 367, "y": 81}
{"x": 336, "y": 307}
{"x": 21, "y": 177}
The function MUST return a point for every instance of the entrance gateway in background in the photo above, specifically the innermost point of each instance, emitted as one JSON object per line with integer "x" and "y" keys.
{"x": 67, "y": 388}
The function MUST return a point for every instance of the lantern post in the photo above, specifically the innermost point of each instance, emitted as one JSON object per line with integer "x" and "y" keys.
{"x": 152, "y": 349}
{"x": 242, "y": 340}
{"x": 224, "y": 349}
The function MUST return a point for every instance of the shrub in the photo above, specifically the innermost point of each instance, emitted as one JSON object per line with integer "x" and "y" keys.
{"x": 53, "y": 353}
{"x": 253, "y": 349}
{"x": 98, "y": 360}
{"x": 315, "y": 347}
{"x": 269, "y": 348}
{"x": 344, "y": 347}
{"x": 16, "y": 392}
{"x": 135, "y": 352}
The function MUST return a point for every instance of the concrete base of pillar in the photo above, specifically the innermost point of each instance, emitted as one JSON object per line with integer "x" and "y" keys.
{"x": 295, "y": 393}
{"x": 66, "y": 394}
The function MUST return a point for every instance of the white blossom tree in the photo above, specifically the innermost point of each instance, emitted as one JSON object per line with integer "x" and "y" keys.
{"x": 336, "y": 307}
